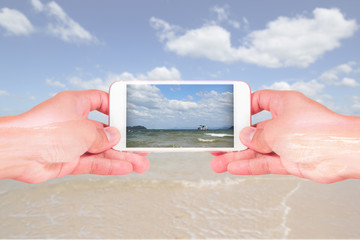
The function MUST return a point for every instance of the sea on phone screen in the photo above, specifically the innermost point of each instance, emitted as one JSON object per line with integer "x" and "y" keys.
{"x": 183, "y": 138}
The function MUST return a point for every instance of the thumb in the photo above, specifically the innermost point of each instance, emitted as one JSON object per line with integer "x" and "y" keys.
{"x": 105, "y": 138}
{"x": 254, "y": 138}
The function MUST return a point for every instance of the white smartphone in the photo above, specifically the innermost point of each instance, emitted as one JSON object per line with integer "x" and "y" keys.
{"x": 180, "y": 116}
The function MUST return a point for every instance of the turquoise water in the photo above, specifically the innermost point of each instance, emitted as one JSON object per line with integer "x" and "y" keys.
{"x": 178, "y": 138}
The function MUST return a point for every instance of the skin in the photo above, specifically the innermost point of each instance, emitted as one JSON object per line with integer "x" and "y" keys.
{"x": 56, "y": 138}
{"x": 304, "y": 138}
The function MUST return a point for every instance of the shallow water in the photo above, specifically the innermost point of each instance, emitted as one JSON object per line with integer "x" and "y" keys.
{"x": 179, "y": 197}
{"x": 167, "y": 138}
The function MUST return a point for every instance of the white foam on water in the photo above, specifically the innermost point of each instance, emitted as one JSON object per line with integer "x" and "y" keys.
{"x": 211, "y": 183}
{"x": 287, "y": 210}
{"x": 219, "y": 134}
{"x": 206, "y": 140}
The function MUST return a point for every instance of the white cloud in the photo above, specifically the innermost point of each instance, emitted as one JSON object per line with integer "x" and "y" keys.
{"x": 64, "y": 26}
{"x": 38, "y": 6}
{"x": 348, "y": 82}
{"x": 158, "y": 73}
{"x": 339, "y": 75}
{"x": 4, "y": 93}
{"x": 297, "y": 41}
{"x": 182, "y": 105}
{"x": 15, "y": 22}
{"x": 149, "y": 107}
{"x": 96, "y": 83}
{"x": 311, "y": 88}
{"x": 53, "y": 83}
{"x": 166, "y": 31}
{"x": 161, "y": 73}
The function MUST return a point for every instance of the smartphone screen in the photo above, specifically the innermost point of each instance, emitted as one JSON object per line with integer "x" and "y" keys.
{"x": 180, "y": 116}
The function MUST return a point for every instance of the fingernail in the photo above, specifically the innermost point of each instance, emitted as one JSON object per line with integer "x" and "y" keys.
{"x": 110, "y": 133}
{"x": 247, "y": 134}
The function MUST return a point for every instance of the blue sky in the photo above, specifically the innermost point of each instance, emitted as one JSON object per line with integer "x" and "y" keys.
{"x": 50, "y": 46}
{"x": 180, "y": 106}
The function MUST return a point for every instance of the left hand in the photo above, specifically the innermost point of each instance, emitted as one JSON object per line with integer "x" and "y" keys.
{"x": 56, "y": 138}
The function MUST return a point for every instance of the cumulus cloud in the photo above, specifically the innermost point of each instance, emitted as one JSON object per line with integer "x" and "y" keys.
{"x": 161, "y": 73}
{"x": 64, "y": 27}
{"x": 297, "y": 41}
{"x": 158, "y": 73}
{"x": 148, "y": 106}
{"x": 15, "y": 22}
{"x": 339, "y": 75}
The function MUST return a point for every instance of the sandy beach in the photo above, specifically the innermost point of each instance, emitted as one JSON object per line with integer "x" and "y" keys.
{"x": 179, "y": 197}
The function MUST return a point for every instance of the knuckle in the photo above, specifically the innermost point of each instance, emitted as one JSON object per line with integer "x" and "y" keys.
{"x": 64, "y": 94}
{"x": 294, "y": 94}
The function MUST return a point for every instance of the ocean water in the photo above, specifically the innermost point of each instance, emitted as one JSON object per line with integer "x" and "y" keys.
{"x": 177, "y": 138}
{"x": 179, "y": 197}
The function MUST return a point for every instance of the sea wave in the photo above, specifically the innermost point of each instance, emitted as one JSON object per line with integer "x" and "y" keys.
{"x": 206, "y": 140}
{"x": 219, "y": 134}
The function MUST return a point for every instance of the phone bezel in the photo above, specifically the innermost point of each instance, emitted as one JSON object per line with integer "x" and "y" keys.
{"x": 118, "y": 103}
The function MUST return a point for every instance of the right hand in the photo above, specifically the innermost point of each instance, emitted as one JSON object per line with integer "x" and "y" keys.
{"x": 304, "y": 138}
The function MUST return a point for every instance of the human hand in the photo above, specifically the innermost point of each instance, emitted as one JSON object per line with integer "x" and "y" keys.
{"x": 56, "y": 138}
{"x": 303, "y": 138}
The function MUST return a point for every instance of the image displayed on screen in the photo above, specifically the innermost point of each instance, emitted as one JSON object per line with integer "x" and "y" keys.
{"x": 180, "y": 116}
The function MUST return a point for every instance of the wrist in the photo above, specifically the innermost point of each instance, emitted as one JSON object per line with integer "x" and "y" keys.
{"x": 351, "y": 138}
{"x": 21, "y": 146}
{"x": 15, "y": 151}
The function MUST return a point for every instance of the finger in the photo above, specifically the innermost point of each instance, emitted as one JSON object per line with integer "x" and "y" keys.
{"x": 100, "y": 165}
{"x": 265, "y": 100}
{"x": 265, "y": 164}
{"x": 261, "y": 124}
{"x": 255, "y": 139}
{"x": 105, "y": 138}
{"x": 98, "y": 124}
{"x": 220, "y": 162}
{"x": 96, "y": 100}
{"x": 139, "y": 162}
{"x": 140, "y": 153}
{"x": 218, "y": 153}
